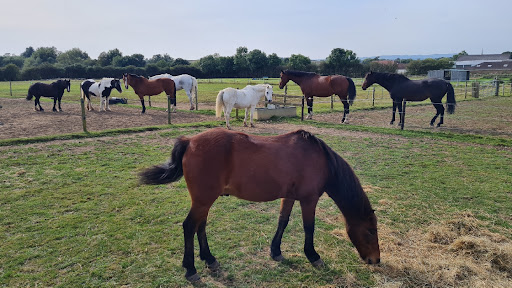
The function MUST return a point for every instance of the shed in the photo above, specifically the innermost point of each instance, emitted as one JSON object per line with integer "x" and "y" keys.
{"x": 449, "y": 74}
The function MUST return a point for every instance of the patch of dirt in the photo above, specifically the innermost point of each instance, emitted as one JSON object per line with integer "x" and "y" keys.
{"x": 20, "y": 120}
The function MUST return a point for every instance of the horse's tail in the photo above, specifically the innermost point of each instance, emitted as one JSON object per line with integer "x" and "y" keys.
{"x": 168, "y": 172}
{"x": 29, "y": 94}
{"x": 351, "y": 91}
{"x": 450, "y": 99}
{"x": 219, "y": 103}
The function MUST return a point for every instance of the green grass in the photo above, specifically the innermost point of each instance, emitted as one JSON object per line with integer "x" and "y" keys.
{"x": 72, "y": 213}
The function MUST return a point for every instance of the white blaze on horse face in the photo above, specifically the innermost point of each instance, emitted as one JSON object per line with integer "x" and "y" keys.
{"x": 268, "y": 93}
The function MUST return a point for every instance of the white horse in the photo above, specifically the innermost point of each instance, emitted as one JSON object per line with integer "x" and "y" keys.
{"x": 183, "y": 81}
{"x": 248, "y": 97}
{"x": 100, "y": 89}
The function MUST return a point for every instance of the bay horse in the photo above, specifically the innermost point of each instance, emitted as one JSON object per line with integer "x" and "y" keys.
{"x": 100, "y": 89}
{"x": 402, "y": 88}
{"x": 247, "y": 98}
{"x": 144, "y": 87}
{"x": 313, "y": 84}
{"x": 54, "y": 90}
{"x": 215, "y": 163}
{"x": 185, "y": 82}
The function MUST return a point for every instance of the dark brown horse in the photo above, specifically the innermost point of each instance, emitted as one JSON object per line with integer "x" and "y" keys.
{"x": 214, "y": 163}
{"x": 54, "y": 90}
{"x": 402, "y": 88}
{"x": 313, "y": 84}
{"x": 144, "y": 87}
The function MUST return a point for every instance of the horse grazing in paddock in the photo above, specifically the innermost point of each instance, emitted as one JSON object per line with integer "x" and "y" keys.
{"x": 54, "y": 90}
{"x": 247, "y": 98}
{"x": 214, "y": 163}
{"x": 402, "y": 88}
{"x": 313, "y": 84}
{"x": 144, "y": 87}
{"x": 183, "y": 81}
{"x": 100, "y": 89}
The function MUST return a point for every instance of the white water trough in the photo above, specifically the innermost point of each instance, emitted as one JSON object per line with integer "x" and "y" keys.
{"x": 274, "y": 110}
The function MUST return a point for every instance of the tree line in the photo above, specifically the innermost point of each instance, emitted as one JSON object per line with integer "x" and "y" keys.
{"x": 49, "y": 63}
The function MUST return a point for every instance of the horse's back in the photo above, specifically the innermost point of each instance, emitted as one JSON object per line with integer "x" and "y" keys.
{"x": 324, "y": 86}
{"x": 255, "y": 168}
{"x": 42, "y": 89}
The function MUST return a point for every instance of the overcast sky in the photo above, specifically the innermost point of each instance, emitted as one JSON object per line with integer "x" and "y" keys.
{"x": 191, "y": 29}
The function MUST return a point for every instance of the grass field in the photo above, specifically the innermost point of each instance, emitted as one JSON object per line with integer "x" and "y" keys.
{"x": 72, "y": 214}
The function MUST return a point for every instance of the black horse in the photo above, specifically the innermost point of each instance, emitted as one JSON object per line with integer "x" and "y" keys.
{"x": 54, "y": 90}
{"x": 402, "y": 88}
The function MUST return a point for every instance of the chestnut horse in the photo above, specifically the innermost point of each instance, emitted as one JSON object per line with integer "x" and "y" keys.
{"x": 215, "y": 163}
{"x": 144, "y": 87}
{"x": 313, "y": 84}
{"x": 402, "y": 88}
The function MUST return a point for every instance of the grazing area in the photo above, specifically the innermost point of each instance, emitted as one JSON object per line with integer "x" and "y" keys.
{"x": 73, "y": 214}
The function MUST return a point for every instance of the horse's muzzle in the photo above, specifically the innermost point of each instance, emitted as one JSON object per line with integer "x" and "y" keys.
{"x": 269, "y": 101}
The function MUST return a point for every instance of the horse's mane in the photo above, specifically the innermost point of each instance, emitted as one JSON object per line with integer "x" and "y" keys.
{"x": 390, "y": 76}
{"x": 300, "y": 73}
{"x": 342, "y": 185}
{"x": 137, "y": 76}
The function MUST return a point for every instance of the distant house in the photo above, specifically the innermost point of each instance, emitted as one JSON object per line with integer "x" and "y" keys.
{"x": 484, "y": 62}
{"x": 401, "y": 69}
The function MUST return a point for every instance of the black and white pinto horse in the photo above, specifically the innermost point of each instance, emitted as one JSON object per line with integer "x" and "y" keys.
{"x": 100, "y": 89}
{"x": 54, "y": 90}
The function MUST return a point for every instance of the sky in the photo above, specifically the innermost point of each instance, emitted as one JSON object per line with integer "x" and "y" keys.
{"x": 196, "y": 28}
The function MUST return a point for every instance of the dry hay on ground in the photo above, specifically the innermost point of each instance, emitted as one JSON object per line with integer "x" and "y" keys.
{"x": 453, "y": 253}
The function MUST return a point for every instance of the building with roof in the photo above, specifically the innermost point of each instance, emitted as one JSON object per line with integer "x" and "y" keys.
{"x": 485, "y": 62}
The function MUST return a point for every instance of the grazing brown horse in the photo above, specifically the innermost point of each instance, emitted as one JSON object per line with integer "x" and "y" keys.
{"x": 313, "y": 84}
{"x": 144, "y": 87}
{"x": 215, "y": 163}
{"x": 402, "y": 88}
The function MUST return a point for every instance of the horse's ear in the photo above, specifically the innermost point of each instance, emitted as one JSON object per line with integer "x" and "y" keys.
{"x": 282, "y": 71}
{"x": 370, "y": 72}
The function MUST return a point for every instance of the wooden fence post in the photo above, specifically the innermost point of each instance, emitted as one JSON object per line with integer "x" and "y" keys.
{"x": 285, "y": 93}
{"x": 10, "y": 86}
{"x": 84, "y": 123}
{"x": 332, "y": 102}
{"x": 373, "y": 97}
{"x": 169, "y": 109}
{"x": 302, "y": 113}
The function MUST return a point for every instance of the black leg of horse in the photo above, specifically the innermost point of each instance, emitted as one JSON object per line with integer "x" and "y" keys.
{"x": 308, "y": 218}
{"x": 189, "y": 229}
{"x": 143, "y": 106}
{"x": 60, "y": 108}
{"x": 284, "y": 217}
{"x": 440, "y": 111}
{"x": 346, "y": 110}
{"x": 400, "y": 112}
{"x": 38, "y": 100}
{"x": 54, "y": 104}
{"x": 394, "y": 111}
{"x": 204, "y": 249}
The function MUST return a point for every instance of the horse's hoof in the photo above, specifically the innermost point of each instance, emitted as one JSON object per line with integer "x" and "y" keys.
{"x": 318, "y": 263}
{"x": 392, "y": 122}
{"x": 192, "y": 108}
{"x": 252, "y": 126}
{"x": 193, "y": 278}
{"x": 245, "y": 124}
{"x": 214, "y": 266}
{"x": 431, "y": 124}
{"x": 277, "y": 258}
{"x": 438, "y": 125}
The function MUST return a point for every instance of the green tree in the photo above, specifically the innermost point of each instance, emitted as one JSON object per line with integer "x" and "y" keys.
{"x": 341, "y": 61}
{"x": 72, "y": 57}
{"x": 28, "y": 52}
{"x": 11, "y": 72}
{"x": 257, "y": 61}
{"x": 105, "y": 58}
{"x": 241, "y": 65}
{"x": 180, "y": 61}
{"x": 209, "y": 65}
{"x": 42, "y": 56}
{"x": 299, "y": 62}
{"x": 161, "y": 60}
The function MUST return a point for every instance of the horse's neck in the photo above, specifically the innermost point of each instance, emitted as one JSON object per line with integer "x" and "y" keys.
{"x": 388, "y": 82}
